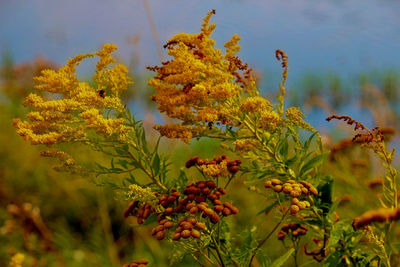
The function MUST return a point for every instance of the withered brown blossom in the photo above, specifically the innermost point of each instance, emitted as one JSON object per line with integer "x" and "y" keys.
{"x": 378, "y": 215}
{"x": 281, "y": 56}
{"x": 219, "y": 166}
{"x": 366, "y": 136}
{"x": 296, "y": 230}
{"x": 198, "y": 204}
{"x": 137, "y": 263}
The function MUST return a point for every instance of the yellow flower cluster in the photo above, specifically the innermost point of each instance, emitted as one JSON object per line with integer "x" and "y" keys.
{"x": 193, "y": 86}
{"x": 74, "y": 106}
{"x": 176, "y": 130}
{"x": 245, "y": 144}
{"x": 17, "y": 260}
{"x": 270, "y": 120}
{"x": 215, "y": 170}
{"x": 255, "y": 104}
{"x": 260, "y": 108}
{"x": 145, "y": 195}
{"x": 296, "y": 117}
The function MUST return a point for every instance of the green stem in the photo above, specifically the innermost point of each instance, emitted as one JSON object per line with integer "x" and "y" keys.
{"x": 266, "y": 238}
{"x": 149, "y": 174}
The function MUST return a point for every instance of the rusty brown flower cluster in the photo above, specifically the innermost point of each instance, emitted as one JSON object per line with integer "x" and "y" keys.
{"x": 295, "y": 229}
{"x": 281, "y": 55}
{"x": 142, "y": 213}
{"x": 366, "y": 136}
{"x": 218, "y": 163}
{"x": 379, "y": 215}
{"x": 194, "y": 202}
{"x": 137, "y": 263}
{"x": 188, "y": 227}
{"x": 295, "y": 190}
{"x": 201, "y": 200}
{"x": 349, "y": 120}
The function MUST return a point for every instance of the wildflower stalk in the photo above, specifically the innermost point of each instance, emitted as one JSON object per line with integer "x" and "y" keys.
{"x": 387, "y": 163}
{"x": 150, "y": 173}
{"x": 267, "y": 237}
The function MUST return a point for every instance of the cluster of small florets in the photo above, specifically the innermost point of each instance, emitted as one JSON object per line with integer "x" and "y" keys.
{"x": 201, "y": 199}
{"x": 186, "y": 229}
{"x": 295, "y": 190}
{"x": 137, "y": 263}
{"x": 295, "y": 229}
{"x": 81, "y": 107}
{"x": 379, "y": 215}
{"x": 219, "y": 166}
{"x": 195, "y": 202}
{"x": 195, "y": 83}
{"x": 142, "y": 213}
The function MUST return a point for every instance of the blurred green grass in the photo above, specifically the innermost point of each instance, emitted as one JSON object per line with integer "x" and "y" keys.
{"x": 85, "y": 220}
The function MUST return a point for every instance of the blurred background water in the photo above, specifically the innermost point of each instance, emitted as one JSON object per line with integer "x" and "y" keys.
{"x": 324, "y": 39}
{"x": 345, "y": 37}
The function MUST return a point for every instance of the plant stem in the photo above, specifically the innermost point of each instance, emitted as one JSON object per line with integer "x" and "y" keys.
{"x": 218, "y": 252}
{"x": 149, "y": 174}
{"x": 266, "y": 238}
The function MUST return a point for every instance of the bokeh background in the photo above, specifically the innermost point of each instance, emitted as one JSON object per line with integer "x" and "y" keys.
{"x": 343, "y": 58}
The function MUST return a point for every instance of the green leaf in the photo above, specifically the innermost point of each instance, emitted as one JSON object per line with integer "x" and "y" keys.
{"x": 283, "y": 148}
{"x": 101, "y": 167}
{"x": 263, "y": 259}
{"x": 156, "y": 164}
{"x": 308, "y": 142}
{"x": 325, "y": 195}
{"x": 156, "y": 146}
{"x": 282, "y": 259}
{"x": 334, "y": 259}
{"x": 255, "y": 164}
{"x": 269, "y": 207}
{"x": 123, "y": 163}
{"x": 312, "y": 163}
{"x": 143, "y": 141}
{"x": 292, "y": 160}
{"x": 131, "y": 179}
{"x": 122, "y": 151}
{"x": 112, "y": 163}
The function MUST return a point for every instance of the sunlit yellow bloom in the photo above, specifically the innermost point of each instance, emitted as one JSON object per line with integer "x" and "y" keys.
{"x": 232, "y": 47}
{"x": 142, "y": 194}
{"x": 215, "y": 170}
{"x": 270, "y": 120}
{"x": 76, "y": 106}
{"x": 255, "y": 104}
{"x": 17, "y": 260}
{"x": 245, "y": 144}
{"x": 194, "y": 85}
{"x": 185, "y": 133}
{"x": 95, "y": 120}
{"x": 296, "y": 117}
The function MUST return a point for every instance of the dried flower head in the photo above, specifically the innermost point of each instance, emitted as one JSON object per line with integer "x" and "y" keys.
{"x": 218, "y": 167}
{"x": 186, "y": 213}
{"x": 137, "y": 263}
{"x": 379, "y": 215}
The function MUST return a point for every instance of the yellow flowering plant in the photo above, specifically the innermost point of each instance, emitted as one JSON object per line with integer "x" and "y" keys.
{"x": 206, "y": 94}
